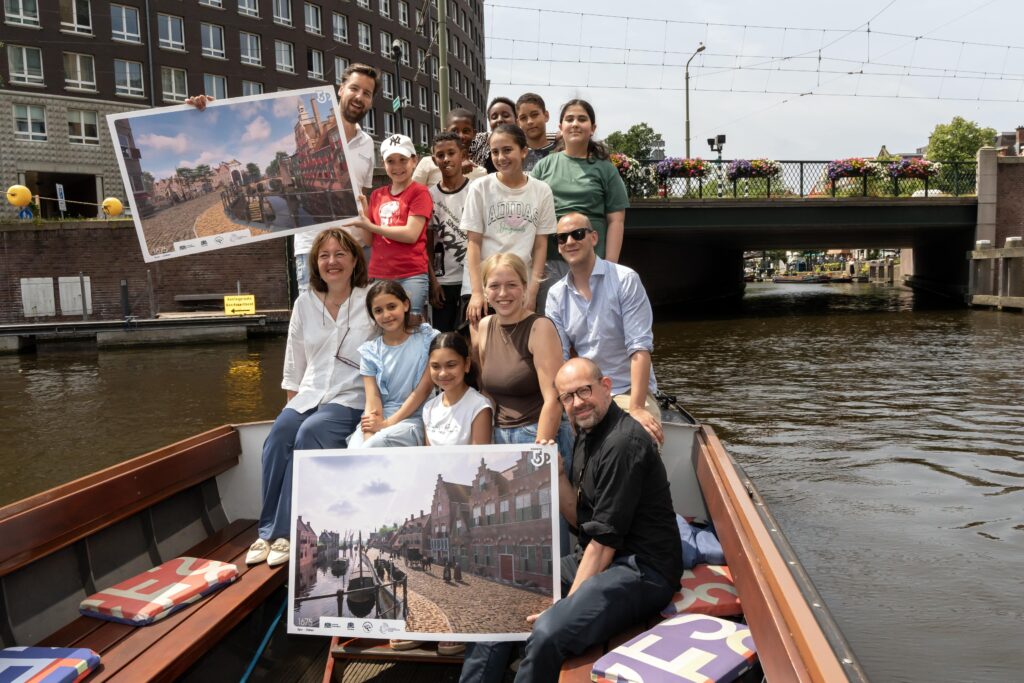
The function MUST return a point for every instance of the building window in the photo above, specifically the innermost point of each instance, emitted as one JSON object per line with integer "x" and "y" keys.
{"x": 315, "y": 64}
{"x": 388, "y": 82}
{"x": 364, "y": 37}
{"x": 523, "y": 507}
{"x": 407, "y": 127}
{"x": 313, "y": 19}
{"x": 385, "y": 44}
{"x": 83, "y": 127}
{"x": 406, "y": 51}
{"x": 249, "y": 8}
{"x": 215, "y": 86}
{"x": 251, "y": 50}
{"x": 385, "y": 8}
{"x": 423, "y": 97}
{"x": 212, "y": 3}
{"x": 283, "y": 12}
{"x": 339, "y": 27}
{"x": 389, "y": 124}
{"x": 284, "y": 56}
{"x": 175, "y": 84}
{"x": 420, "y": 28}
{"x": 124, "y": 24}
{"x": 365, "y": 4}
{"x": 545, "y": 503}
{"x": 172, "y": 31}
{"x": 403, "y": 13}
{"x": 213, "y": 40}
{"x": 23, "y": 12}
{"x": 252, "y": 88}
{"x": 433, "y": 68}
{"x": 340, "y": 64}
{"x": 406, "y": 93}
{"x": 489, "y": 513}
{"x": 477, "y": 519}
{"x": 75, "y": 16}
{"x": 29, "y": 123}
{"x": 128, "y": 78}
{"x": 503, "y": 509}
{"x": 437, "y": 103}
{"x": 25, "y": 64}
{"x": 79, "y": 71}
{"x": 424, "y": 135}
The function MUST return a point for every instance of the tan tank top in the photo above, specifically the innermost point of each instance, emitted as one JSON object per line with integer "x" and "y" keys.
{"x": 508, "y": 376}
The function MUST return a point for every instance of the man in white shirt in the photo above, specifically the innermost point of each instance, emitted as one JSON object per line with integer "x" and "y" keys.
{"x": 602, "y": 312}
{"x": 358, "y": 86}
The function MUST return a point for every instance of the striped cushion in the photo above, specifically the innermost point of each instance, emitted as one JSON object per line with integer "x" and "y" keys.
{"x": 46, "y": 664}
{"x": 694, "y": 648}
{"x": 705, "y": 589}
{"x": 154, "y": 594}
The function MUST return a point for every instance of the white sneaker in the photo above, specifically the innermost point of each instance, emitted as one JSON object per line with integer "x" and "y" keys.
{"x": 279, "y": 552}
{"x": 258, "y": 552}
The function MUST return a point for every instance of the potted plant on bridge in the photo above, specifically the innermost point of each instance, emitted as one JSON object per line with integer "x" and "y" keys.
{"x": 679, "y": 167}
{"x": 853, "y": 167}
{"x": 753, "y": 168}
{"x": 640, "y": 180}
{"x": 914, "y": 169}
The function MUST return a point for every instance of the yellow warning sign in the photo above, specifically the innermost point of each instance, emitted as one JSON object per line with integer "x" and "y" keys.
{"x": 240, "y": 304}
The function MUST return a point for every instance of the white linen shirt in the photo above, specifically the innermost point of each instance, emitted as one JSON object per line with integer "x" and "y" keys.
{"x": 311, "y": 366}
{"x": 609, "y": 328}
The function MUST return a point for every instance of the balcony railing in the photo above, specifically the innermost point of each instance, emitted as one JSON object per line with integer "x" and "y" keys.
{"x": 807, "y": 179}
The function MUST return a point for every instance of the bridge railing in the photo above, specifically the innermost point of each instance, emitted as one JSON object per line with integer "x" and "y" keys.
{"x": 800, "y": 179}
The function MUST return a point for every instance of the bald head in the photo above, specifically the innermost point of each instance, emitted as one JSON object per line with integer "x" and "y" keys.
{"x": 583, "y": 391}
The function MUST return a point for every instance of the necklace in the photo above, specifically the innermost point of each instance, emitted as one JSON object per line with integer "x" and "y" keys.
{"x": 507, "y": 336}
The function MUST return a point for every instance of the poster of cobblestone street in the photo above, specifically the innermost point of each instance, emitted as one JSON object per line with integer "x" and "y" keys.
{"x": 245, "y": 169}
{"x": 430, "y": 543}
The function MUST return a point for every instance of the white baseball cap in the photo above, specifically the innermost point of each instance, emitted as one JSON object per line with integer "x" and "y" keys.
{"x": 397, "y": 144}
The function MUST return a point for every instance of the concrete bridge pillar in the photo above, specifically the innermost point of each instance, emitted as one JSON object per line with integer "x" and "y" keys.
{"x": 988, "y": 173}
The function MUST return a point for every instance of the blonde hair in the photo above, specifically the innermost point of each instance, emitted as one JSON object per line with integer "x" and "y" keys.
{"x": 495, "y": 261}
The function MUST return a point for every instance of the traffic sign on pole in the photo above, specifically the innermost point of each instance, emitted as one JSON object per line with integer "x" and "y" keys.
{"x": 396, "y": 104}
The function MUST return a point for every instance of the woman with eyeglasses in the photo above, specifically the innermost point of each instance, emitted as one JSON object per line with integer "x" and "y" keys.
{"x": 321, "y": 378}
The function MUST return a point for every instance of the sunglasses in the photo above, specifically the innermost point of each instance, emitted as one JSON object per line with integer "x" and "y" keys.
{"x": 576, "y": 235}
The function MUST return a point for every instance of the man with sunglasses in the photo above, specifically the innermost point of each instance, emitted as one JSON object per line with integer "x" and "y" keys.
{"x": 602, "y": 312}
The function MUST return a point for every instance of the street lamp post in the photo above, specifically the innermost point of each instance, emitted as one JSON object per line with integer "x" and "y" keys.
{"x": 396, "y": 54}
{"x": 716, "y": 144}
{"x": 686, "y": 72}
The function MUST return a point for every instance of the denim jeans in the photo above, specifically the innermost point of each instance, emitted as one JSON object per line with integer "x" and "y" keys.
{"x": 418, "y": 289}
{"x": 408, "y": 432}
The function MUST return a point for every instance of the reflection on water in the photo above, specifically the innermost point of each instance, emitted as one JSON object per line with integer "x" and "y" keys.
{"x": 887, "y": 433}
{"x": 349, "y": 586}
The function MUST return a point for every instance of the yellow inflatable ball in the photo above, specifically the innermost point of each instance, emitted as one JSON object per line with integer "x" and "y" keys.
{"x": 112, "y": 206}
{"x": 19, "y": 195}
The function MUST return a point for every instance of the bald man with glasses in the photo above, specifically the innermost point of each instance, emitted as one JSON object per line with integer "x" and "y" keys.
{"x": 602, "y": 312}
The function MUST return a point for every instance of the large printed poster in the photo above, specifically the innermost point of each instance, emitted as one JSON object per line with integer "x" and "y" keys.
{"x": 431, "y": 543}
{"x": 245, "y": 169}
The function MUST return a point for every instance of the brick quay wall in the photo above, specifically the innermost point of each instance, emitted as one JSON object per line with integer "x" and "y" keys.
{"x": 108, "y": 251}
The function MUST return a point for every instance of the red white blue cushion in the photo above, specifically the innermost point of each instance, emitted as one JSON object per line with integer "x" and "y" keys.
{"x": 686, "y": 648}
{"x": 46, "y": 664}
{"x": 163, "y": 590}
{"x": 705, "y": 589}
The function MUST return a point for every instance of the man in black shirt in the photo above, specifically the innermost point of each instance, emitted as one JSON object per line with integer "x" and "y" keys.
{"x": 629, "y": 559}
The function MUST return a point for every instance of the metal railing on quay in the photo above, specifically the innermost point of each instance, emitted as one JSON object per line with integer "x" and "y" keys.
{"x": 802, "y": 179}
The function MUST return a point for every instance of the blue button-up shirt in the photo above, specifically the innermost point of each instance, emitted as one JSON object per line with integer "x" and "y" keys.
{"x": 611, "y": 327}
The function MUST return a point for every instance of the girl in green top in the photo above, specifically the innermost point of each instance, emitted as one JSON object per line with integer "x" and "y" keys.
{"x": 582, "y": 179}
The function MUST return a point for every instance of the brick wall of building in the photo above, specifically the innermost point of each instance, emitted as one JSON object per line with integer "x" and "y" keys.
{"x": 108, "y": 252}
{"x": 1010, "y": 199}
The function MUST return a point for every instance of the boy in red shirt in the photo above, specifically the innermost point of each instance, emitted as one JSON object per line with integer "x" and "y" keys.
{"x": 397, "y": 215}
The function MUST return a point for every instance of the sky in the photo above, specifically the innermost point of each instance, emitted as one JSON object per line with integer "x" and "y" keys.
{"x": 246, "y": 131}
{"x": 870, "y": 88}
{"x": 368, "y": 491}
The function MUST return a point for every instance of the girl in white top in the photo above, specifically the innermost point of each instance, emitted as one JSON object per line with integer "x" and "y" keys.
{"x": 460, "y": 415}
{"x": 506, "y": 212}
{"x": 321, "y": 378}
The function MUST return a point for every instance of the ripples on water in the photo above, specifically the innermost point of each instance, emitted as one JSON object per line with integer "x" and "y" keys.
{"x": 888, "y": 436}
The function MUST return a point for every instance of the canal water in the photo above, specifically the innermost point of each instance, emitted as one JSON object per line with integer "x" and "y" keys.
{"x": 885, "y": 431}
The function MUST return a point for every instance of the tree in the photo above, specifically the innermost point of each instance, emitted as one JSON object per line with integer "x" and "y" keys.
{"x": 958, "y": 140}
{"x": 274, "y": 168}
{"x": 637, "y": 142}
{"x": 253, "y": 170}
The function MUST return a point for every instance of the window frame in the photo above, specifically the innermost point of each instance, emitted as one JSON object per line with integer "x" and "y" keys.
{"x": 173, "y": 95}
{"x": 210, "y": 51}
{"x": 26, "y": 77}
{"x": 403, "y": 13}
{"x": 28, "y": 135}
{"x": 384, "y": 8}
{"x": 215, "y": 78}
{"x": 246, "y": 83}
{"x": 280, "y": 18}
{"x": 21, "y": 18}
{"x": 80, "y": 84}
{"x": 84, "y": 139}
{"x": 423, "y": 97}
{"x": 251, "y": 9}
{"x": 128, "y": 90}
{"x": 124, "y": 36}
{"x": 311, "y": 55}
{"x": 318, "y": 29}
{"x": 389, "y": 124}
{"x": 362, "y": 28}
{"x": 335, "y": 34}
{"x": 369, "y": 121}
{"x": 169, "y": 42}
{"x": 288, "y": 69}
{"x": 385, "y": 43}
{"x": 243, "y": 42}
{"x": 219, "y": 4}
{"x": 74, "y": 26}
{"x": 344, "y": 62}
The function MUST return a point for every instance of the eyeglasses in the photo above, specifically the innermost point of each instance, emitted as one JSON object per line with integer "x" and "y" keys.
{"x": 577, "y": 235}
{"x": 583, "y": 393}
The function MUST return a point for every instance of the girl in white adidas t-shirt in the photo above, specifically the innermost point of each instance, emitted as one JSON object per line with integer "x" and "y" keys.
{"x": 459, "y": 415}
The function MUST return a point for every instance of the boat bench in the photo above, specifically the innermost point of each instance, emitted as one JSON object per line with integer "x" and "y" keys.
{"x": 73, "y": 540}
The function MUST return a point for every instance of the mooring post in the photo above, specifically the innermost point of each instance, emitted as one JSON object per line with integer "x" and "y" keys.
{"x": 81, "y": 285}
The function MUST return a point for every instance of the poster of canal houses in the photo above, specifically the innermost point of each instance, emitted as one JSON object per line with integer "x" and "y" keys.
{"x": 245, "y": 169}
{"x": 454, "y": 543}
